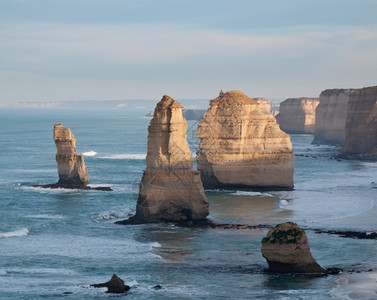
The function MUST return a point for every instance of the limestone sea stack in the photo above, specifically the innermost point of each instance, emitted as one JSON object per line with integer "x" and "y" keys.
{"x": 297, "y": 115}
{"x": 170, "y": 189}
{"x": 287, "y": 250}
{"x": 331, "y": 116}
{"x": 361, "y": 125}
{"x": 242, "y": 147}
{"x": 71, "y": 166}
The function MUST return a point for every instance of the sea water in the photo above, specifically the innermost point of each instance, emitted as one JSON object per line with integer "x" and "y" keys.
{"x": 55, "y": 243}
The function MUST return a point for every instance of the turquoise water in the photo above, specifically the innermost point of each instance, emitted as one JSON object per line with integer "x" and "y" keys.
{"x": 55, "y": 243}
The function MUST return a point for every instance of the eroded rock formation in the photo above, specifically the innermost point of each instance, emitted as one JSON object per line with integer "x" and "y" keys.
{"x": 71, "y": 165}
{"x": 264, "y": 104}
{"x": 297, "y": 115}
{"x": 287, "y": 250}
{"x": 170, "y": 189}
{"x": 242, "y": 147}
{"x": 331, "y": 116}
{"x": 361, "y": 125}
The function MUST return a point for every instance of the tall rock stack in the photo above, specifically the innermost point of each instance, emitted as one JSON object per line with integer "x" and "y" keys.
{"x": 243, "y": 147}
{"x": 361, "y": 125}
{"x": 297, "y": 115}
{"x": 264, "y": 104}
{"x": 331, "y": 116}
{"x": 170, "y": 189}
{"x": 71, "y": 166}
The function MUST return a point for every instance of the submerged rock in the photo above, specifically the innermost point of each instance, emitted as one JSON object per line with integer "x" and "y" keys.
{"x": 287, "y": 250}
{"x": 170, "y": 189}
{"x": 242, "y": 147}
{"x": 297, "y": 115}
{"x": 114, "y": 285}
{"x": 331, "y": 116}
{"x": 361, "y": 125}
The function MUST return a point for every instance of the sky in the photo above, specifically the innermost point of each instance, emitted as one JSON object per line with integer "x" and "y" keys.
{"x": 60, "y": 50}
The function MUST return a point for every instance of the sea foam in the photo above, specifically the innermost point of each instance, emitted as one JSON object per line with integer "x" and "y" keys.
{"x": 16, "y": 233}
{"x": 126, "y": 156}
{"x": 90, "y": 153}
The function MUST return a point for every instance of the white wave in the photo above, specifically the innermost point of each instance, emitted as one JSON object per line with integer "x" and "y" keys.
{"x": 16, "y": 233}
{"x": 283, "y": 203}
{"x": 249, "y": 193}
{"x": 45, "y": 216}
{"x": 156, "y": 245}
{"x": 126, "y": 156}
{"x": 132, "y": 283}
{"x": 121, "y": 213}
{"x": 3, "y": 272}
{"x": 90, "y": 153}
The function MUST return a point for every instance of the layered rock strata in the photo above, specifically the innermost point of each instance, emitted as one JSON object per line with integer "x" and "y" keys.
{"x": 72, "y": 170}
{"x": 71, "y": 165}
{"x": 242, "y": 147}
{"x": 170, "y": 189}
{"x": 331, "y": 116}
{"x": 287, "y": 250}
{"x": 361, "y": 125}
{"x": 297, "y": 115}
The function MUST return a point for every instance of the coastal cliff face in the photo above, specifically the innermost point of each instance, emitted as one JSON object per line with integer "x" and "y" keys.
{"x": 331, "y": 116}
{"x": 361, "y": 125}
{"x": 170, "y": 189}
{"x": 264, "y": 104}
{"x": 297, "y": 115}
{"x": 71, "y": 165}
{"x": 243, "y": 147}
{"x": 287, "y": 250}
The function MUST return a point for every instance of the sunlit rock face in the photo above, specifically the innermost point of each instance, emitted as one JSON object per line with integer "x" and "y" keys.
{"x": 242, "y": 147}
{"x": 361, "y": 125}
{"x": 331, "y": 116}
{"x": 287, "y": 250}
{"x": 71, "y": 166}
{"x": 170, "y": 189}
{"x": 297, "y": 115}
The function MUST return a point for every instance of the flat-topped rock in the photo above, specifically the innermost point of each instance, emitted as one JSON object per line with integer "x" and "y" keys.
{"x": 242, "y": 147}
{"x": 331, "y": 116}
{"x": 287, "y": 250}
{"x": 361, "y": 125}
{"x": 170, "y": 189}
{"x": 297, "y": 115}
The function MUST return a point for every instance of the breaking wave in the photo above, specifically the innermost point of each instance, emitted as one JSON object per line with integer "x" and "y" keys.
{"x": 90, "y": 153}
{"x": 16, "y": 233}
{"x": 126, "y": 156}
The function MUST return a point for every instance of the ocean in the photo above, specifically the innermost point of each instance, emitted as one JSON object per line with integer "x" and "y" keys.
{"x": 55, "y": 243}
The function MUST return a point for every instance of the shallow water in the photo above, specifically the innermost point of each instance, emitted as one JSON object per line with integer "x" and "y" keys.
{"x": 55, "y": 243}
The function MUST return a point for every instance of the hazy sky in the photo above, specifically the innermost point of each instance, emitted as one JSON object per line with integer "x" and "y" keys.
{"x": 56, "y": 50}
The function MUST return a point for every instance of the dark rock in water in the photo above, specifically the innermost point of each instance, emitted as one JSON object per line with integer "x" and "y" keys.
{"x": 333, "y": 271}
{"x": 114, "y": 285}
{"x": 157, "y": 287}
{"x": 350, "y": 234}
{"x": 287, "y": 250}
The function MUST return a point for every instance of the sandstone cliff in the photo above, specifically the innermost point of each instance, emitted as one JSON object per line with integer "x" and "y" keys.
{"x": 361, "y": 125}
{"x": 170, "y": 189}
{"x": 331, "y": 116}
{"x": 297, "y": 115}
{"x": 71, "y": 167}
{"x": 242, "y": 147}
{"x": 264, "y": 104}
{"x": 287, "y": 250}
